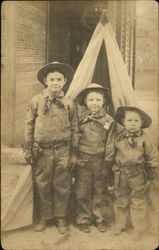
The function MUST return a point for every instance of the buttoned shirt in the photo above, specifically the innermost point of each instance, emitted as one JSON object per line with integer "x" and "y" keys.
{"x": 51, "y": 119}
{"x": 93, "y": 131}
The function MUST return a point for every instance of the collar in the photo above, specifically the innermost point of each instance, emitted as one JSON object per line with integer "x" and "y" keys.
{"x": 48, "y": 96}
{"x": 126, "y": 134}
{"x": 87, "y": 116}
{"x": 98, "y": 115}
{"x": 57, "y": 99}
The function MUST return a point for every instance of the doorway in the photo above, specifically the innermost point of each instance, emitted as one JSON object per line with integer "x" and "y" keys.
{"x": 71, "y": 25}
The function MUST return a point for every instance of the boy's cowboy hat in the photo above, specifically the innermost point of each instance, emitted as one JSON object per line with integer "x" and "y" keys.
{"x": 93, "y": 87}
{"x": 66, "y": 69}
{"x": 146, "y": 119}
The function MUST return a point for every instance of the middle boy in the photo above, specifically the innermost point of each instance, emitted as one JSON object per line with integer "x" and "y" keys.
{"x": 91, "y": 172}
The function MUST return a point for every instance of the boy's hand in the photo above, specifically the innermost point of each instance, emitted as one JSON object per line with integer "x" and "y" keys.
{"x": 72, "y": 162}
{"x": 110, "y": 179}
{"x": 151, "y": 174}
{"x": 28, "y": 157}
{"x": 151, "y": 179}
{"x": 73, "y": 159}
{"x": 109, "y": 174}
{"x": 110, "y": 189}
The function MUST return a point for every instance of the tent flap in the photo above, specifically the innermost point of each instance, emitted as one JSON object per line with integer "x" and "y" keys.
{"x": 20, "y": 208}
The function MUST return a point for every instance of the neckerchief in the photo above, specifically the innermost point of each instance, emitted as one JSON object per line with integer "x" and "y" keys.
{"x": 130, "y": 136}
{"x": 56, "y": 99}
{"x": 87, "y": 116}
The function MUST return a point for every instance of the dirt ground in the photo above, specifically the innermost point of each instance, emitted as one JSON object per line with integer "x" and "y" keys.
{"x": 12, "y": 166}
{"x": 50, "y": 239}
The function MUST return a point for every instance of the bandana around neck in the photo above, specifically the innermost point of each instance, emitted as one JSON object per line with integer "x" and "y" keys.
{"x": 56, "y": 99}
{"x": 88, "y": 116}
{"x": 130, "y": 136}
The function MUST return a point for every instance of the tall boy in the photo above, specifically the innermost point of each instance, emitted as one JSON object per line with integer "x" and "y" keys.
{"x": 134, "y": 162}
{"x": 51, "y": 133}
{"x": 94, "y": 124}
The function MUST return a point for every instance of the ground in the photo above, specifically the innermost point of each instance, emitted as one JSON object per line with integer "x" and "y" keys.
{"x": 13, "y": 165}
{"x": 51, "y": 240}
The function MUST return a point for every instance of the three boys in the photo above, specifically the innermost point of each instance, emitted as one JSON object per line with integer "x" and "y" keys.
{"x": 54, "y": 134}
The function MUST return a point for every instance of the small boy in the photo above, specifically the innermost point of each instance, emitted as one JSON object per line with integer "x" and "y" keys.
{"x": 51, "y": 133}
{"x": 94, "y": 124}
{"x": 134, "y": 163}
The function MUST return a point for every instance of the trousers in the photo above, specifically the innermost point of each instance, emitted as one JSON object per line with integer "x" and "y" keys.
{"x": 51, "y": 183}
{"x": 91, "y": 193}
{"x": 131, "y": 200}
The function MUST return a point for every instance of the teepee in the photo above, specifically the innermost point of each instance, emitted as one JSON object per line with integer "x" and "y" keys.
{"x": 102, "y": 63}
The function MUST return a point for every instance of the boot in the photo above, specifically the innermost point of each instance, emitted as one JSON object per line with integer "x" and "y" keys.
{"x": 136, "y": 235}
{"x": 117, "y": 231}
{"x": 139, "y": 219}
{"x": 122, "y": 219}
{"x": 101, "y": 227}
{"x": 84, "y": 227}
{"x": 39, "y": 227}
{"x": 62, "y": 225}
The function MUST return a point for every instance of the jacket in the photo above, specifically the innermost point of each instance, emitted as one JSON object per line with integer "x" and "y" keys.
{"x": 121, "y": 151}
{"x": 94, "y": 130}
{"x": 51, "y": 120}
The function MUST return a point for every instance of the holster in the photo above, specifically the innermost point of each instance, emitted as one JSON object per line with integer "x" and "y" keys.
{"x": 36, "y": 151}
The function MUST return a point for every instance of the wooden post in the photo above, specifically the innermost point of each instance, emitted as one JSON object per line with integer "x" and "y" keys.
{"x": 112, "y": 14}
{"x": 8, "y": 72}
{"x": 134, "y": 53}
{"x": 48, "y": 31}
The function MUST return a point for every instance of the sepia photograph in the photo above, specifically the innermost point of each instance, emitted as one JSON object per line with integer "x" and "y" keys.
{"x": 79, "y": 125}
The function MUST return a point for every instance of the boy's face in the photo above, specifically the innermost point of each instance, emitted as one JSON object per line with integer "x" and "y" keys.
{"x": 132, "y": 121}
{"x": 94, "y": 101}
{"x": 55, "y": 81}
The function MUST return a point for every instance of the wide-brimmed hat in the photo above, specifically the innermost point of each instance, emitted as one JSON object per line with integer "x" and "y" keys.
{"x": 66, "y": 69}
{"x": 93, "y": 87}
{"x": 120, "y": 114}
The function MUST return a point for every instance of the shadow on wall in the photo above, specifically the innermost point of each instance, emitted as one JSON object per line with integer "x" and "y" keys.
{"x": 147, "y": 80}
{"x": 148, "y": 101}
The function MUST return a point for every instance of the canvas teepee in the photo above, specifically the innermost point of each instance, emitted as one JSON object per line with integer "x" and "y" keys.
{"x": 102, "y": 63}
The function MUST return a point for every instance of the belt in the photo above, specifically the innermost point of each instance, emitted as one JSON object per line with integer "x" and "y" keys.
{"x": 88, "y": 158}
{"x": 128, "y": 169}
{"x": 132, "y": 170}
{"x": 91, "y": 156}
{"x": 54, "y": 144}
